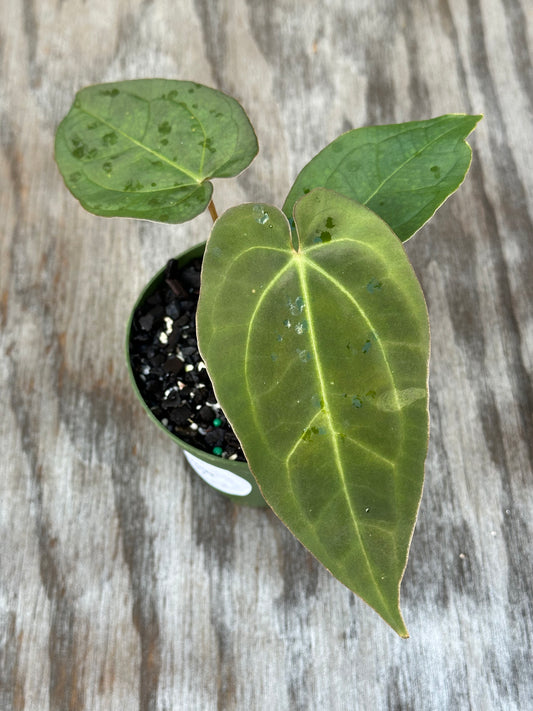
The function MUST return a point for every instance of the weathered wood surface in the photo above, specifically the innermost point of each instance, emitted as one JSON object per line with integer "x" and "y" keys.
{"x": 126, "y": 582}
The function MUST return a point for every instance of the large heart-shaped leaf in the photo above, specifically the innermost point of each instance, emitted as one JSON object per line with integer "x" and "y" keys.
{"x": 403, "y": 172}
{"x": 319, "y": 356}
{"x": 146, "y": 147}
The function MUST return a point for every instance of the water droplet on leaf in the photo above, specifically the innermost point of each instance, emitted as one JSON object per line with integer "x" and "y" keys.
{"x": 109, "y": 139}
{"x": 297, "y": 306}
{"x": 110, "y": 92}
{"x": 301, "y": 327}
{"x": 317, "y": 402}
{"x": 303, "y": 355}
{"x": 261, "y": 216}
{"x": 373, "y": 285}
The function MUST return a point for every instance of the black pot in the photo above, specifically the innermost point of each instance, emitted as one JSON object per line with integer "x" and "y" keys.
{"x": 232, "y": 478}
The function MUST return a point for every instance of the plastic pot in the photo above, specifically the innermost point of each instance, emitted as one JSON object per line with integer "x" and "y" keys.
{"x": 231, "y": 478}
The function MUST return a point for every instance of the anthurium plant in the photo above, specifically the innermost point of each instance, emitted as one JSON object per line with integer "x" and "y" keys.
{"x": 310, "y": 320}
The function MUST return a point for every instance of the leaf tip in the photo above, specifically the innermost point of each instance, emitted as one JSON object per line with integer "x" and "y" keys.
{"x": 398, "y": 625}
{"x": 475, "y": 119}
{"x": 400, "y": 628}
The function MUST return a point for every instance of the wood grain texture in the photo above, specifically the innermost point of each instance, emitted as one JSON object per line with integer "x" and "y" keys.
{"x": 126, "y": 583}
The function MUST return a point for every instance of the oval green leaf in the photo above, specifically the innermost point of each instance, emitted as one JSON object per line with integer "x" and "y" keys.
{"x": 146, "y": 148}
{"x": 403, "y": 172}
{"x": 319, "y": 358}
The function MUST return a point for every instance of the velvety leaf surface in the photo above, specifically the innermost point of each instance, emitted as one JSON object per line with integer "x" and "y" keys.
{"x": 403, "y": 172}
{"x": 319, "y": 359}
{"x": 146, "y": 147}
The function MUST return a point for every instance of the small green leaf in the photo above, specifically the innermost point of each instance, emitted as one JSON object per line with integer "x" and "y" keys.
{"x": 319, "y": 358}
{"x": 403, "y": 172}
{"x": 146, "y": 148}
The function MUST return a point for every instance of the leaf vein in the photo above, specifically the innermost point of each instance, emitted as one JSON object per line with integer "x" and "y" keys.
{"x": 144, "y": 147}
{"x": 372, "y": 451}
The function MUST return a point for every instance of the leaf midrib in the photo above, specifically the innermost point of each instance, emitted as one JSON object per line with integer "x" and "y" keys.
{"x": 194, "y": 185}
{"x": 300, "y": 264}
{"x": 144, "y": 147}
{"x": 412, "y": 157}
{"x": 400, "y": 167}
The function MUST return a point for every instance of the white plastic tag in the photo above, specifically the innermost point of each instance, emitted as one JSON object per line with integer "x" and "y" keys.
{"x": 218, "y": 478}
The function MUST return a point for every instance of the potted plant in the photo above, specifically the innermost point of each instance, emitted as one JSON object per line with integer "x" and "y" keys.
{"x": 312, "y": 335}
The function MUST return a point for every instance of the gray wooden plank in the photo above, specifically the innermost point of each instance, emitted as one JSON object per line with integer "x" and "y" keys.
{"x": 126, "y": 582}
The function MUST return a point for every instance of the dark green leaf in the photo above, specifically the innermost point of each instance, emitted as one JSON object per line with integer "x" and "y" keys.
{"x": 403, "y": 172}
{"x": 319, "y": 359}
{"x": 146, "y": 148}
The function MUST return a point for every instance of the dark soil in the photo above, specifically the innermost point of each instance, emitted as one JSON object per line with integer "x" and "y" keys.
{"x": 168, "y": 369}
